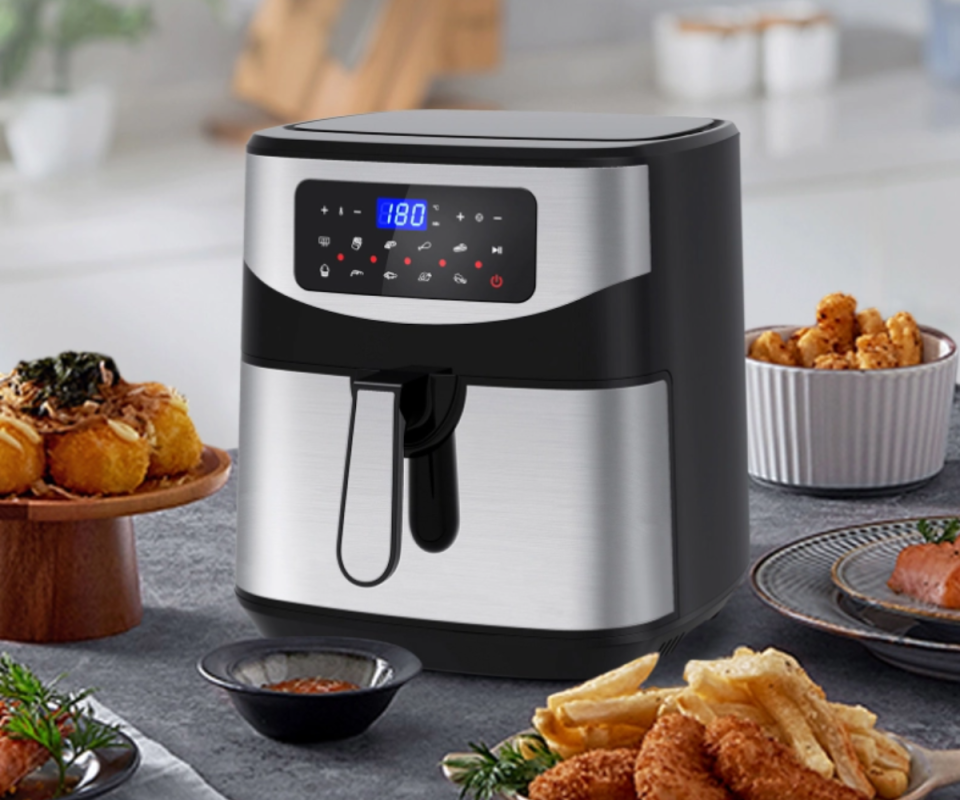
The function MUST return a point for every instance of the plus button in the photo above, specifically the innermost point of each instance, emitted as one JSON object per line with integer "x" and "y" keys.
{"x": 324, "y": 209}
{"x": 460, "y": 216}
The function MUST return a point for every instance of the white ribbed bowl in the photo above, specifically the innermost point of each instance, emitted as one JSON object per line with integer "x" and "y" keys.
{"x": 850, "y": 431}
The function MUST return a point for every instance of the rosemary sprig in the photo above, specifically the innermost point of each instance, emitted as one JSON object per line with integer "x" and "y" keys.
{"x": 944, "y": 531}
{"x": 63, "y": 724}
{"x": 510, "y": 769}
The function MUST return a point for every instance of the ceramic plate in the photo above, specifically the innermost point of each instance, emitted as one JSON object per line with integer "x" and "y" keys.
{"x": 796, "y": 581}
{"x": 863, "y": 575}
{"x": 95, "y": 774}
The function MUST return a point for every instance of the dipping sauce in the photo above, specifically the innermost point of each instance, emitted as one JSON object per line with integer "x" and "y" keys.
{"x": 311, "y": 686}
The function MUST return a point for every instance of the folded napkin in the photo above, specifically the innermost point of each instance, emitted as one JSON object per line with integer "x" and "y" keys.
{"x": 161, "y": 775}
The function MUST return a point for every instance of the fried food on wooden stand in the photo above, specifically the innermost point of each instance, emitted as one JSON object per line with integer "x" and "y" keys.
{"x": 22, "y": 457}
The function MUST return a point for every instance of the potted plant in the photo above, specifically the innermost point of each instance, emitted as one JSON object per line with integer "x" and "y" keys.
{"x": 65, "y": 127}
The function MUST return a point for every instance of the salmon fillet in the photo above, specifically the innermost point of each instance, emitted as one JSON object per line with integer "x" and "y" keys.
{"x": 18, "y": 757}
{"x": 757, "y": 767}
{"x": 594, "y": 775}
{"x": 673, "y": 764}
{"x": 930, "y": 573}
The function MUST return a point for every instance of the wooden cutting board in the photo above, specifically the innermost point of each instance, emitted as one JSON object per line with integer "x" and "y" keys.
{"x": 307, "y": 59}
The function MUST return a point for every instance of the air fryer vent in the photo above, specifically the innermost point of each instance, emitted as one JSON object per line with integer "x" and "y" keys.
{"x": 668, "y": 646}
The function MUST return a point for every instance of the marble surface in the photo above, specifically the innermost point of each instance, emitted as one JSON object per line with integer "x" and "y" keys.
{"x": 148, "y": 675}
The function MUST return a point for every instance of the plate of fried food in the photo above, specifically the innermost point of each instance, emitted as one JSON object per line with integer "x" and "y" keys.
{"x": 72, "y": 429}
{"x": 852, "y": 405}
{"x": 753, "y": 726}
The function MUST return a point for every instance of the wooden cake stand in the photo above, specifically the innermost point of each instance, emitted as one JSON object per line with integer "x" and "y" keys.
{"x": 68, "y": 568}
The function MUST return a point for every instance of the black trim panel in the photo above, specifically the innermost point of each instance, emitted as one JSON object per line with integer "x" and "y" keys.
{"x": 481, "y": 649}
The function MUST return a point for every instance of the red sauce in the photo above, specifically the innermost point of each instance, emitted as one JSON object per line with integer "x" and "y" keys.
{"x": 311, "y": 686}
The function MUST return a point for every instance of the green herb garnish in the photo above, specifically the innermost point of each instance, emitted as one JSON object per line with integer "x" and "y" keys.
{"x": 508, "y": 770}
{"x": 63, "y": 724}
{"x": 70, "y": 379}
{"x": 939, "y": 532}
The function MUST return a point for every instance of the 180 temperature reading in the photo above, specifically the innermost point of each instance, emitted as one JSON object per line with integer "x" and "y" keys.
{"x": 401, "y": 215}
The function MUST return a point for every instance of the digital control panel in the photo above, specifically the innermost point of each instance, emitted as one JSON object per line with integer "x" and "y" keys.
{"x": 433, "y": 242}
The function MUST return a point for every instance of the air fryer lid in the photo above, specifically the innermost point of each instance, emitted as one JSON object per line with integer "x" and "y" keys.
{"x": 514, "y": 125}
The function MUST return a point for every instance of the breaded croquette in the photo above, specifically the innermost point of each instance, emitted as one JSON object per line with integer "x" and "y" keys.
{"x": 907, "y": 341}
{"x": 594, "y": 775}
{"x": 876, "y": 351}
{"x": 105, "y": 457}
{"x": 870, "y": 321}
{"x": 770, "y": 347}
{"x": 812, "y": 343}
{"x": 22, "y": 457}
{"x": 175, "y": 445}
{"x": 836, "y": 317}
{"x": 673, "y": 764}
{"x": 757, "y": 767}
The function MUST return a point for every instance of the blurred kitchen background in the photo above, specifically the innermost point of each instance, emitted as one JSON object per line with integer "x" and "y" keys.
{"x": 849, "y": 113}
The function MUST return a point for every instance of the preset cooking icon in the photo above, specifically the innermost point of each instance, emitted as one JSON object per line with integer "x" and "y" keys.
{"x": 357, "y": 243}
{"x": 458, "y": 278}
{"x": 324, "y": 241}
{"x": 425, "y": 277}
{"x": 324, "y": 271}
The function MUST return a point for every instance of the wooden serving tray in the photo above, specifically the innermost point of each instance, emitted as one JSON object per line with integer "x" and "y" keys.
{"x": 68, "y": 568}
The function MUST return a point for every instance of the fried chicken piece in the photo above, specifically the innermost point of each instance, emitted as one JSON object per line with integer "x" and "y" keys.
{"x": 907, "y": 341}
{"x": 673, "y": 764}
{"x": 834, "y": 361}
{"x": 594, "y": 775}
{"x": 757, "y": 767}
{"x": 875, "y": 351}
{"x": 812, "y": 343}
{"x": 870, "y": 321}
{"x": 104, "y": 457}
{"x": 770, "y": 347}
{"x": 19, "y": 757}
{"x": 176, "y": 447}
{"x": 836, "y": 317}
{"x": 22, "y": 457}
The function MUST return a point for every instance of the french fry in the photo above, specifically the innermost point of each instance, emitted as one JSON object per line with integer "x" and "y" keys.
{"x": 606, "y": 737}
{"x": 890, "y": 754}
{"x": 623, "y": 680}
{"x": 693, "y": 705}
{"x": 711, "y": 686}
{"x": 565, "y": 741}
{"x": 790, "y": 720}
{"x": 829, "y": 732}
{"x": 855, "y": 718}
{"x": 639, "y": 709}
{"x": 866, "y": 749}
{"x": 889, "y": 783}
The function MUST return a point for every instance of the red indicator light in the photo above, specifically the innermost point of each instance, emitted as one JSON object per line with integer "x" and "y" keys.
{"x": 407, "y": 260}
{"x": 496, "y": 281}
{"x": 478, "y": 264}
{"x": 443, "y": 262}
{"x": 373, "y": 259}
{"x": 339, "y": 256}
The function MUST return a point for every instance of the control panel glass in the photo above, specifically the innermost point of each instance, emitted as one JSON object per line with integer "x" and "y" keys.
{"x": 432, "y": 242}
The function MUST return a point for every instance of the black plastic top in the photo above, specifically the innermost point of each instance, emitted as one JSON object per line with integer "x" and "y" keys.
{"x": 491, "y": 137}
{"x": 539, "y": 126}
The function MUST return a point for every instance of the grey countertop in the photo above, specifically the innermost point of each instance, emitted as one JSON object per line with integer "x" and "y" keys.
{"x": 148, "y": 675}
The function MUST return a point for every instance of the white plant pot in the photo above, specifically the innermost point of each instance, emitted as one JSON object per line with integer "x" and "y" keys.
{"x": 49, "y": 134}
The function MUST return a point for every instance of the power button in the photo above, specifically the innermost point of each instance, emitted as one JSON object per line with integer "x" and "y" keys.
{"x": 496, "y": 281}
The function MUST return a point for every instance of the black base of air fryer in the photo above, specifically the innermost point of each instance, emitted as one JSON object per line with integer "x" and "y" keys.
{"x": 479, "y": 649}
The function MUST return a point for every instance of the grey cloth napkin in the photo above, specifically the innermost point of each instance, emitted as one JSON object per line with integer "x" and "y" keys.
{"x": 161, "y": 775}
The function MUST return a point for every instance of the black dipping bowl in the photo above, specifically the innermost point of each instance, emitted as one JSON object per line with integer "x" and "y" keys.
{"x": 378, "y": 668}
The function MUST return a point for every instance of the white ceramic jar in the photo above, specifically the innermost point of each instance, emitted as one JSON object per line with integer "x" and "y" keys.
{"x": 801, "y": 48}
{"x": 707, "y": 53}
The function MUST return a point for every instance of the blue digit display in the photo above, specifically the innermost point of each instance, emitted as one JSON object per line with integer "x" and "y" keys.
{"x": 401, "y": 215}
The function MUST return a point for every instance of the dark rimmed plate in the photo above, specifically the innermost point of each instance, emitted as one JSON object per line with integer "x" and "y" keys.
{"x": 862, "y": 574}
{"x": 94, "y": 775}
{"x": 795, "y": 580}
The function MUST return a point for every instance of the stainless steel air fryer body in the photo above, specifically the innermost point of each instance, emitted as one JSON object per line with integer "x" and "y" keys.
{"x": 492, "y": 395}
